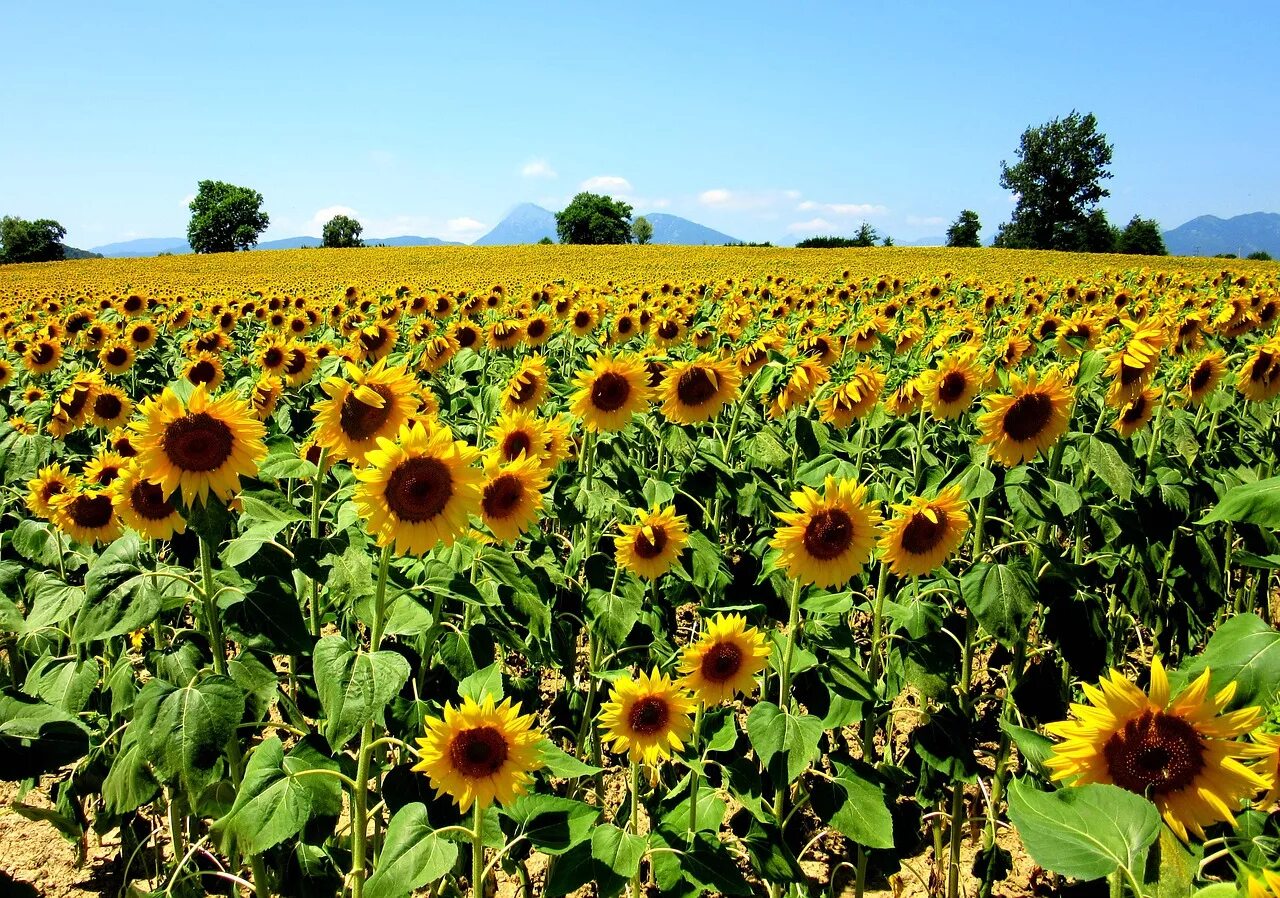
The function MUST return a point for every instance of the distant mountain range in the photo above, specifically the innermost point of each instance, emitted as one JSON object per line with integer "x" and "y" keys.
{"x": 1209, "y": 235}
{"x": 527, "y": 223}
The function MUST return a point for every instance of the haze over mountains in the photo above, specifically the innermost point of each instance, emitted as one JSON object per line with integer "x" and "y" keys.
{"x": 1206, "y": 235}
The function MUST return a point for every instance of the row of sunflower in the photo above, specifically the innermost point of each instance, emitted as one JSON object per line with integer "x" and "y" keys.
{"x": 771, "y": 575}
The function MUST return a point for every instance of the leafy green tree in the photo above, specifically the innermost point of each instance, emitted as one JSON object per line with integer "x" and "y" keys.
{"x": 827, "y": 243}
{"x": 866, "y": 235}
{"x": 1057, "y": 179}
{"x": 31, "y": 241}
{"x": 225, "y": 218}
{"x": 887, "y": 241}
{"x": 546, "y": 241}
{"x": 341, "y": 231}
{"x": 1141, "y": 237}
{"x": 965, "y": 231}
{"x": 1259, "y": 256}
{"x": 594, "y": 219}
{"x": 1095, "y": 234}
{"x": 642, "y": 230}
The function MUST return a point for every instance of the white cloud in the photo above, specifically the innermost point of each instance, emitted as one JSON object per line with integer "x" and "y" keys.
{"x": 538, "y": 168}
{"x": 466, "y": 226}
{"x": 716, "y": 197}
{"x": 322, "y": 216}
{"x": 843, "y": 209}
{"x": 660, "y": 203}
{"x": 791, "y": 194}
{"x": 607, "y": 182}
{"x": 813, "y": 225}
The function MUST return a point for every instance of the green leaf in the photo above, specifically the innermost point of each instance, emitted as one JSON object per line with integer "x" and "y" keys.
{"x": 613, "y": 614}
{"x": 484, "y": 682}
{"x": 552, "y": 824}
{"x": 558, "y": 762}
{"x": 269, "y": 507}
{"x": 773, "y": 731}
{"x": 412, "y": 855}
{"x": 706, "y": 864}
{"x": 129, "y": 783}
{"x": 617, "y": 849}
{"x": 36, "y": 542}
{"x": 1000, "y": 597}
{"x": 36, "y": 737}
{"x": 66, "y": 684}
{"x": 186, "y": 729}
{"x": 277, "y": 797}
{"x": 121, "y": 596}
{"x": 355, "y": 687}
{"x": 1252, "y": 503}
{"x": 1244, "y": 651}
{"x": 1085, "y": 832}
{"x": 284, "y": 463}
{"x": 855, "y": 806}
{"x": 52, "y": 601}
{"x": 977, "y": 482}
{"x": 1035, "y": 748}
{"x": 1105, "y": 461}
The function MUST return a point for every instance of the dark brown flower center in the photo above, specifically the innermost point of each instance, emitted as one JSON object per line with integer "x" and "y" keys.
{"x": 646, "y": 548}
{"x": 1130, "y": 375}
{"x": 297, "y": 362}
{"x": 523, "y": 391}
{"x": 1134, "y": 411}
{"x": 581, "y": 320}
{"x": 148, "y": 501}
{"x": 952, "y": 386}
{"x": 117, "y": 356}
{"x": 1028, "y": 416}
{"x": 501, "y": 496}
{"x": 374, "y": 341}
{"x": 1201, "y": 376}
{"x": 516, "y": 442}
{"x": 90, "y": 511}
{"x": 1155, "y": 754}
{"x": 922, "y": 535}
{"x": 695, "y": 387}
{"x": 42, "y": 354}
{"x": 273, "y": 358}
{"x": 624, "y": 325}
{"x": 649, "y": 715}
{"x": 419, "y": 489}
{"x": 51, "y": 489}
{"x": 198, "y": 442}
{"x": 108, "y": 406}
{"x": 478, "y": 753}
{"x": 141, "y": 334}
{"x": 610, "y": 391}
{"x": 537, "y": 327}
{"x": 362, "y": 422}
{"x": 202, "y": 372}
{"x": 828, "y": 534}
{"x": 107, "y": 474}
{"x": 722, "y": 662}
{"x": 1260, "y": 370}
{"x": 467, "y": 337}
{"x": 668, "y": 330}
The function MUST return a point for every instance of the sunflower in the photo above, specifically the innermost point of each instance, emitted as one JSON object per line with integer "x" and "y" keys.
{"x": 142, "y": 506}
{"x": 924, "y": 533}
{"x": 528, "y": 385}
{"x": 1259, "y": 379}
{"x": 651, "y": 546}
{"x": 110, "y": 408}
{"x": 42, "y": 356}
{"x": 518, "y": 432}
{"x": 855, "y": 398}
{"x": 301, "y": 364}
{"x": 725, "y": 659}
{"x": 104, "y": 468}
{"x": 359, "y": 411}
{"x": 86, "y": 515}
{"x": 1264, "y": 884}
{"x": 1179, "y": 752}
{"x": 23, "y": 426}
{"x": 418, "y": 491}
{"x": 203, "y": 448}
{"x": 1029, "y": 419}
{"x": 32, "y": 394}
{"x": 950, "y": 388}
{"x": 205, "y": 368}
{"x": 806, "y": 377}
{"x": 1135, "y": 414}
{"x": 116, "y": 357}
{"x": 6, "y": 373}
{"x": 831, "y": 537}
{"x": 142, "y": 335}
{"x": 265, "y": 395}
{"x": 647, "y": 717}
{"x": 49, "y": 483}
{"x": 511, "y": 495}
{"x": 610, "y": 392}
{"x": 697, "y": 390}
{"x": 272, "y": 355}
{"x": 1204, "y": 378}
{"x": 479, "y": 753}
{"x": 538, "y": 329}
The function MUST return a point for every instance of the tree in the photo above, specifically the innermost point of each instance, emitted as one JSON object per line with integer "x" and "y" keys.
{"x": 225, "y": 218}
{"x": 594, "y": 219}
{"x": 887, "y": 241}
{"x": 1141, "y": 237}
{"x": 1057, "y": 179}
{"x": 642, "y": 230}
{"x": 866, "y": 235}
{"x": 1260, "y": 255}
{"x": 546, "y": 241}
{"x": 1095, "y": 234}
{"x": 965, "y": 230}
{"x": 31, "y": 241}
{"x": 341, "y": 231}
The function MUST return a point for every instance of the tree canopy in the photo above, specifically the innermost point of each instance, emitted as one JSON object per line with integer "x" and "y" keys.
{"x": 1058, "y": 181}
{"x": 225, "y": 218}
{"x": 594, "y": 219}
{"x": 966, "y": 230}
{"x": 1141, "y": 237}
{"x": 642, "y": 230}
{"x": 31, "y": 241}
{"x": 341, "y": 231}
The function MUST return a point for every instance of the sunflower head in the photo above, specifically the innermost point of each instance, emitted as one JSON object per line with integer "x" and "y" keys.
{"x": 610, "y": 391}
{"x": 1029, "y": 419}
{"x": 86, "y": 515}
{"x": 528, "y": 385}
{"x": 647, "y": 717}
{"x": 725, "y": 659}
{"x": 511, "y": 495}
{"x": 924, "y": 533}
{"x": 831, "y": 536}
{"x": 696, "y": 390}
{"x": 363, "y": 408}
{"x": 143, "y": 507}
{"x": 651, "y": 546}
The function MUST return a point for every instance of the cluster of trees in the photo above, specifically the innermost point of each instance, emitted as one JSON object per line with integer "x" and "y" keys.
{"x": 865, "y": 236}
{"x": 31, "y": 241}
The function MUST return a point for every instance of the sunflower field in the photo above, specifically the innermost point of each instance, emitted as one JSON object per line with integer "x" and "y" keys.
{"x": 552, "y": 571}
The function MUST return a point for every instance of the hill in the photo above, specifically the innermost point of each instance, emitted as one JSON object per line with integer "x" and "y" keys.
{"x": 1209, "y": 235}
{"x": 526, "y": 223}
{"x": 674, "y": 230}
{"x": 143, "y": 246}
{"x": 70, "y": 252}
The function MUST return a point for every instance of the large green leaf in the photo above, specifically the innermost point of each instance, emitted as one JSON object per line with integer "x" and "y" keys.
{"x": 129, "y": 783}
{"x": 278, "y": 796}
{"x": 1252, "y": 503}
{"x": 706, "y": 865}
{"x": 185, "y": 729}
{"x": 552, "y": 824}
{"x": 617, "y": 849}
{"x": 773, "y": 732}
{"x": 65, "y": 684}
{"x": 355, "y": 687}
{"x": 1085, "y": 832}
{"x": 1000, "y": 597}
{"x": 487, "y": 681}
{"x": 855, "y": 806}
{"x": 52, "y": 602}
{"x": 1244, "y": 651}
{"x": 121, "y": 595}
{"x": 1105, "y": 461}
{"x": 36, "y": 542}
{"x": 36, "y": 737}
{"x": 412, "y": 855}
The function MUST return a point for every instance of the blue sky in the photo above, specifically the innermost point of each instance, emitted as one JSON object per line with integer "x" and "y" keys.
{"x": 768, "y": 121}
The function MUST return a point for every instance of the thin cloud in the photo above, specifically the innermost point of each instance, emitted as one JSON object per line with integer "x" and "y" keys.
{"x": 322, "y": 216}
{"x": 538, "y": 168}
{"x": 843, "y": 209}
{"x": 813, "y": 225}
{"x": 607, "y": 182}
{"x": 465, "y": 225}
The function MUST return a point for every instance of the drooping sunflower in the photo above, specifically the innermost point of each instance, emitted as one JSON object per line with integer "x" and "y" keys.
{"x": 480, "y": 753}
{"x": 143, "y": 507}
{"x": 950, "y": 388}
{"x": 831, "y": 537}
{"x": 42, "y": 356}
{"x": 206, "y": 369}
{"x": 697, "y": 390}
{"x": 49, "y": 483}
{"x": 1135, "y": 413}
{"x": 1259, "y": 379}
{"x": 511, "y": 495}
{"x": 853, "y": 399}
{"x": 610, "y": 391}
{"x": 264, "y": 396}
{"x": 805, "y": 378}
{"x": 528, "y": 385}
{"x": 1180, "y": 752}
{"x": 651, "y": 546}
{"x": 1204, "y": 377}
{"x": 924, "y": 533}
{"x": 648, "y": 717}
{"x": 1029, "y": 419}
{"x": 725, "y": 659}
{"x": 203, "y": 448}
{"x": 86, "y": 515}
{"x": 418, "y": 492}
{"x": 370, "y": 405}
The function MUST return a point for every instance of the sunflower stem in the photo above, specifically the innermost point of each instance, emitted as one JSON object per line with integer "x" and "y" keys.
{"x": 877, "y": 625}
{"x": 789, "y": 647}
{"x": 737, "y": 415}
{"x": 315, "y": 534}
{"x": 360, "y": 795}
{"x": 635, "y": 821}
{"x": 695, "y": 770}
{"x": 477, "y": 853}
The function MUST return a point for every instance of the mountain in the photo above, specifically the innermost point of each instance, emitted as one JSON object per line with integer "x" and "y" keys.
{"x": 70, "y": 252}
{"x": 673, "y": 229}
{"x": 526, "y": 223}
{"x": 290, "y": 243}
{"x": 409, "y": 241}
{"x": 1209, "y": 235}
{"x": 143, "y": 246}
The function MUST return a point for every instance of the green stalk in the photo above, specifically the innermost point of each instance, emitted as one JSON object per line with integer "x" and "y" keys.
{"x": 695, "y": 772}
{"x": 477, "y": 854}
{"x": 360, "y": 795}
{"x": 737, "y": 415}
{"x": 315, "y": 534}
{"x": 789, "y": 647}
{"x": 635, "y": 821}
{"x": 874, "y": 666}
